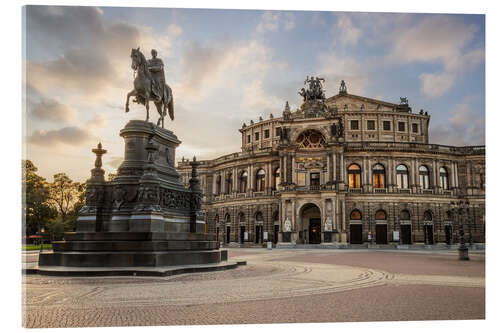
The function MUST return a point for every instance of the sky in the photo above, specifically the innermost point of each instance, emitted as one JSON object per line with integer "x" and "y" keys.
{"x": 227, "y": 67}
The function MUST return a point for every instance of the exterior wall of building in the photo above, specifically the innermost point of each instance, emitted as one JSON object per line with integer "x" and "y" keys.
{"x": 299, "y": 174}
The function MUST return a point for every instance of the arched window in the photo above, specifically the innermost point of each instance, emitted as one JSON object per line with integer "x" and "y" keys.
{"x": 241, "y": 218}
{"x": 443, "y": 178}
{"x": 229, "y": 183}
{"x": 228, "y": 219}
{"x": 402, "y": 176}
{"x": 243, "y": 182}
{"x": 355, "y": 215}
{"x": 378, "y": 176}
{"x": 216, "y": 219}
{"x": 380, "y": 215}
{"x": 404, "y": 215}
{"x": 448, "y": 215}
{"x": 310, "y": 139}
{"x": 259, "y": 217}
{"x": 354, "y": 172}
{"x": 423, "y": 176}
{"x": 276, "y": 216}
{"x": 218, "y": 185}
{"x": 427, "y": 215}
{"x": 277, "y": 179}
{"x": 260, "y": 179}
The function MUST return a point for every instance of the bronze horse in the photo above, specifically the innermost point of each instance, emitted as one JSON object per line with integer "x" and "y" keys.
{"x": 143, "y": 91}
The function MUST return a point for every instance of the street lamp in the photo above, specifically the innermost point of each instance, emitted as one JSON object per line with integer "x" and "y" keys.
{"x": 458, "y": 210}
{"x": 41, "y": 238}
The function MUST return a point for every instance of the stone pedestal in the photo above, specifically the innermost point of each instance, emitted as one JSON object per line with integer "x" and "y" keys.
{"x": 145, "y": 216}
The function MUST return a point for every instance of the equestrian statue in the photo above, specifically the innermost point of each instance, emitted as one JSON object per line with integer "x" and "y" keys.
{"x": 149, "y": 84}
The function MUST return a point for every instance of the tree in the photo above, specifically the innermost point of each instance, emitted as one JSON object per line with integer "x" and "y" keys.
{"x": 63, "y": 194}
{"x": 78, "y": 204}
{"x": 36, "y": 208}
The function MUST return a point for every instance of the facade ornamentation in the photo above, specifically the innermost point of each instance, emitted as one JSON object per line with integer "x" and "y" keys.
{"x": 348, "y": 166}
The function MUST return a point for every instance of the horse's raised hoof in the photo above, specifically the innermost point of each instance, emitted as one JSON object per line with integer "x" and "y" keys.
{"x": 127, "y": 109}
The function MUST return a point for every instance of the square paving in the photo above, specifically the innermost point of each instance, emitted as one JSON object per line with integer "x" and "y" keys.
{"x": 278, "y": 286}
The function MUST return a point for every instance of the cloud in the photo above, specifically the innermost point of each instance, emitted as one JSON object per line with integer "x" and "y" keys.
{"x": 174, "y": 30}
{"x": 273, "y": 21}
{"x": 114, "y": 161}
{"x": 77, "y": 70}
{"x": 71, "y": 135}
{"x": 348, "y": 33}
{"x": 464, "y": 125}
{"x": 440, "y": 39}
{"x": 435, "y": 85}
{"x": 221, "y": 65}
{"x": 256, "y": 99}
{"x": 335, "y": 68}
{"x": 100, "y": 60}
{"x": 97, "y": 122}
{"x": 51, "y": 109}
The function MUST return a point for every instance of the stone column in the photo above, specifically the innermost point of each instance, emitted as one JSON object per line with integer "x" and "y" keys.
{"x": 369, "y": 176}
{"x": 342, "y": 171}
{"x": 250, "y": 178}
{"x": 334, "y": 166}
{"x": 235, "y": 180}
{"x": 295, "y": 229}
{"x": 343, "y": 216}
{"x": 329, "y": 168}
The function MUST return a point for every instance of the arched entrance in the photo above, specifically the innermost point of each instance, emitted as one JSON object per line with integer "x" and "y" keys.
{"x": 310, "y": 232}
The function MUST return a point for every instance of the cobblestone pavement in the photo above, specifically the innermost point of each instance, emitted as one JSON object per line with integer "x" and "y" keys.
{"x": 276, "y": 286}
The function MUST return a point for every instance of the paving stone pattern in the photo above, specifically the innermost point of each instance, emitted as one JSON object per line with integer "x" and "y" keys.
{"x": 276, "y": 286}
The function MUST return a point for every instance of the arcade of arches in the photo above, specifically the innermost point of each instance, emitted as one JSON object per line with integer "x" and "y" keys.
{"x": 359, "y": 171}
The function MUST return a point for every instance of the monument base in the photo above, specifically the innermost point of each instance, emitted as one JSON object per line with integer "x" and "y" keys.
{"x": 144, "y": 217}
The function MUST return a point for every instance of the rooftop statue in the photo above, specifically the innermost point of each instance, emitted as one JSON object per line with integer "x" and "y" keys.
{"x": 149, "y": 84}
{"x": 343, "y": 88}
{"x": 314, "y": 90}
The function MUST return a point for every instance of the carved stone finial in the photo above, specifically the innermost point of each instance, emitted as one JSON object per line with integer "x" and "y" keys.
{"x": 287, "y": 107}
{"x": 260, "y": 118}
{"x": 286, "y": 112}
{"x": 251, "y": 122}
{"x": 244, "y": 125}
{"x": 271, "y": 116}
{"x": 97, "y": 172}
{"x": 194, "y": 182}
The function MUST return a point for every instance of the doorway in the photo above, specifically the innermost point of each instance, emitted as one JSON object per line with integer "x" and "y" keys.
{"x": 356, "y": 234}
{"x": 310, "y": 227}
{"x": 405, "y": 234}
{"x": 228, "y": 235}
{"x": 276, "y": 233}
{"x": 448, "y": 231}
{"x": 428, "y": 234}
{"x": 259, "y": 230}
{"x": 242, "y": 234}
{"x": 381, "y": 234}
{"x": 314, "y": 231}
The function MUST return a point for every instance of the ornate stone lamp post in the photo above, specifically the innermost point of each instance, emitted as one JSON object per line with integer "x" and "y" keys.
{"x": 458, "y": 209}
